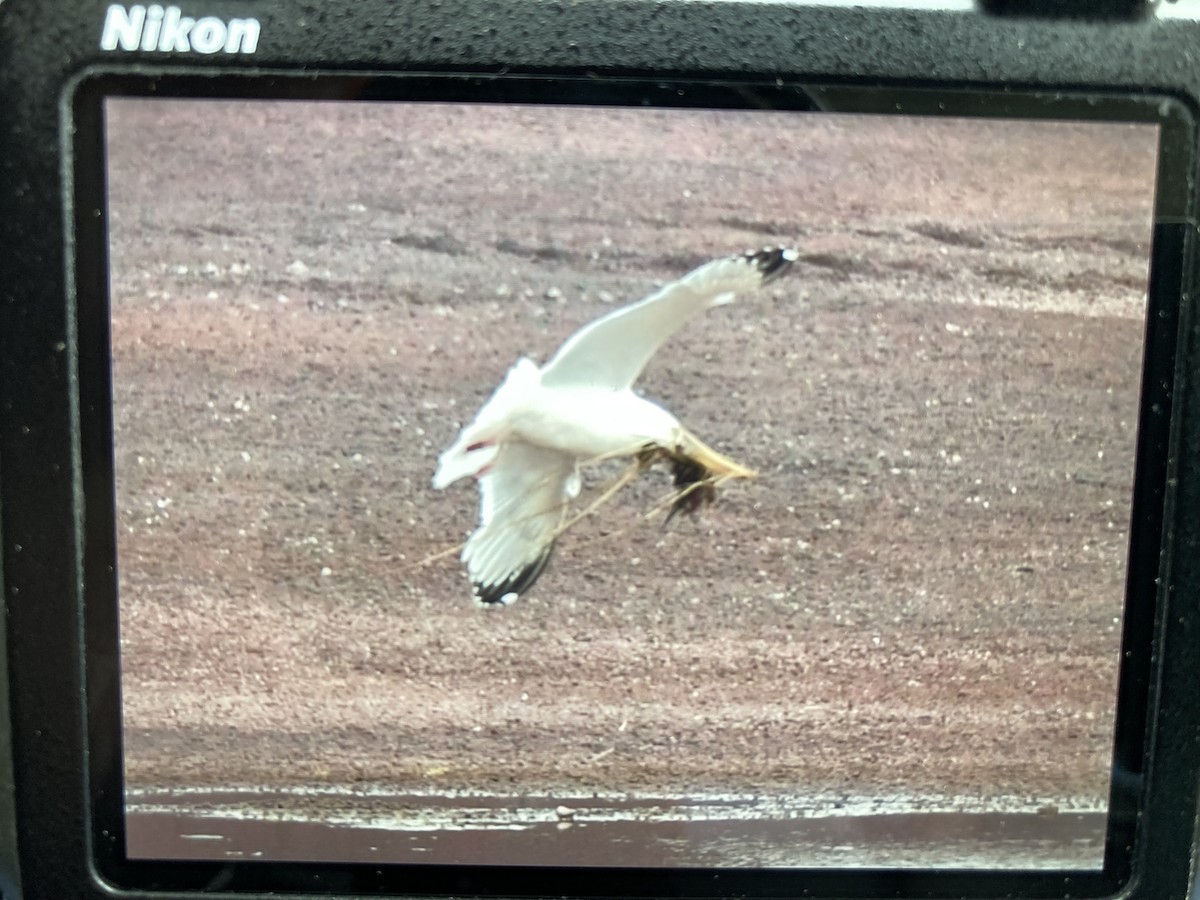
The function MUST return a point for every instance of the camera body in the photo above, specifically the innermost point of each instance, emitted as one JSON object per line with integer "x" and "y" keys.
{"x": 63, "y": 789}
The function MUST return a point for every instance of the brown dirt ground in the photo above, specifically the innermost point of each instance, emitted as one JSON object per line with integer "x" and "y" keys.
{"x": 921, "y": 591}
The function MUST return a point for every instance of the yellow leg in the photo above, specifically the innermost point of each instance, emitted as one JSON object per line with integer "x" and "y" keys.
{"x": 714, "y": 462}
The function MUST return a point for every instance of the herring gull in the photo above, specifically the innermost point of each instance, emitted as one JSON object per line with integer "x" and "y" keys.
{"x": 528, "y": 441}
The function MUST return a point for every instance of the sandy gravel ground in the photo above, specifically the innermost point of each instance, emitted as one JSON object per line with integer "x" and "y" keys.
{"x": 920, "y": 593}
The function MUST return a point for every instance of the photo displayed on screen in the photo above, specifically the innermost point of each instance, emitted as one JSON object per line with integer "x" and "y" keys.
{"x": 871, "y": 617}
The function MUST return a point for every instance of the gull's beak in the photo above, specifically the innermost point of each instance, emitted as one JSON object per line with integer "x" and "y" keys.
{"x": 464, "y": 458}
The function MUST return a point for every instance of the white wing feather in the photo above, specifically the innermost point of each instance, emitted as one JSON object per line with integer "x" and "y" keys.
{"x": 522, "y": 499}
{"x": 612, "y": 351}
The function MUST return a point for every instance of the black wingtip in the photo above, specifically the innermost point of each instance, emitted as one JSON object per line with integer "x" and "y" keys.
{"x": 773, "y": 261}
{"x": 511, "y": 588}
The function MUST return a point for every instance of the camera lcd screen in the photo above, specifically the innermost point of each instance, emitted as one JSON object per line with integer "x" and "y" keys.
{"x": 896, "y": 646}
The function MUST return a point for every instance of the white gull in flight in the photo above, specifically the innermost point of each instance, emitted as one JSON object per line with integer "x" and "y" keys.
{"x": 528, "y": 441}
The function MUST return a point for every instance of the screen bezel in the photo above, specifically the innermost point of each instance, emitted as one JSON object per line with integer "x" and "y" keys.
{"x": 88, "y": 264}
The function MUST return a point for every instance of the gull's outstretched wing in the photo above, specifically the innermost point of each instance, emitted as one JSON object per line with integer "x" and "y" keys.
{"x": 611, "y": 352}
{"x": 522, "y": 501}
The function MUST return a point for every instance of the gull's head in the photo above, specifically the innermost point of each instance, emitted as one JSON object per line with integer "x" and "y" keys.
{"x": 468, "y": 456}
{"x": 479, "y": 443}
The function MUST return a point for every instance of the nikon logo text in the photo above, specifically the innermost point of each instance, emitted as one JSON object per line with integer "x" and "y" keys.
{"x": 166, "y": 30}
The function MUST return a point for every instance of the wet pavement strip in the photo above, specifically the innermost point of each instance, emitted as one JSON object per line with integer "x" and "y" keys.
{"x": 636, "y": 831}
